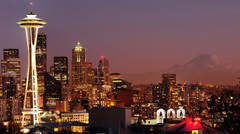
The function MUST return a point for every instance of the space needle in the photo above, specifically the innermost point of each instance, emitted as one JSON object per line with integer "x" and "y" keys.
{"x": 31, "y": 24}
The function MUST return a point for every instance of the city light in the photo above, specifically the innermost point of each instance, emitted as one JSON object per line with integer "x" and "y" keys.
{"x": 197, "y": 119}
{"x": 25, "y": 130}
{"x": 72, "y": 87}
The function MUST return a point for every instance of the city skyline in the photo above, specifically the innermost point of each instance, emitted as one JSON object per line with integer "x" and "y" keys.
{"x": 140, "y": 84}
{"x": 146, "y": 30}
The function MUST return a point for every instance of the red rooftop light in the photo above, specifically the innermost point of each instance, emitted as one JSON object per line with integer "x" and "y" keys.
{"x": 102, "y": 57}
{"x": 31, "y": 3}
{"x": 197, "y": 119}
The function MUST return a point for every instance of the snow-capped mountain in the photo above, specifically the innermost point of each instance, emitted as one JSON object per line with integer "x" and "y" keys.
{"x": 206, "y": 68}
{"x": 203, "y": 63}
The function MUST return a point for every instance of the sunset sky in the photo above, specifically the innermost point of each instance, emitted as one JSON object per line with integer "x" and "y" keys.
{"x": 136, "y": 36}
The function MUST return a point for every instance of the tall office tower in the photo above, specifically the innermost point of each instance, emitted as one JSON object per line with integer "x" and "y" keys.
{"x": 61, "y": 69}
{"x": 12, "y": 64}
{"x": 9, "y": 94}
{"x": 41, "y": 60}
{"x": 66, "y": 92}
{"x": 160, "y": 95}
{"x": 52, "y": 93}
{"x": 102, "y": 73}
{"x": 144, "y": 92}
{"x": 9, "y": 85}
{"x": 196, "y": 98}
{"x": 10, "y": 53}
{"x": 31, "y": 24}
{"x": 14, "y": 107}
{"x": 177, "y": 96}
{"x": 3, "y": 108}
{"x": 41, "y": 53}
{"x": 169, "y": 79}
{"x": 97, "y": 96}
{"x": 90, "y": 74}
{"x": 183, "y": 95}
{"x": 17, "y": 105}
{"x": 79, "y": 80}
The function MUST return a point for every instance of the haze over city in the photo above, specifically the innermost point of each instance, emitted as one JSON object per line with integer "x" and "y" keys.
{"x": 137, "y": 37}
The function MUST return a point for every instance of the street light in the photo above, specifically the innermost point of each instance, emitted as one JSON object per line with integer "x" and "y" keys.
{"x": 25, "y": 130}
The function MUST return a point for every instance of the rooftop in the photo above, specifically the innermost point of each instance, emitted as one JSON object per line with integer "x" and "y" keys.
{"x": 78, "y": 46}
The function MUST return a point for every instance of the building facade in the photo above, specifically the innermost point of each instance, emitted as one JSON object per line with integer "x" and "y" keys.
{"x": 41, "y": 60}
{"x": 61, "y": 69}
{"x": 161, "y": 95}
{"x": 79, "y": 70}
{"x": 11, "y": 63}
{"x": 9, "y": 89}
{"x": 103, "y": 72}
{"x": 169, "y": 79}
{"x": 97, "y": 96}
{"x": 80, "y": 115}
{"x": 82, "y": 73}
{"x": 10, "y": 53}
{"x": 52, "y": 92}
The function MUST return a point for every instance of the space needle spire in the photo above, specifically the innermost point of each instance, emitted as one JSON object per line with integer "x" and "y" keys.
{"x": 31, "y": 24}
{"x": 31, "y": 6}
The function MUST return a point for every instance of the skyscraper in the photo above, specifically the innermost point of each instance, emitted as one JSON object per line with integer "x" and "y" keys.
{"x": 169, "y": 79}
{"x": 53, "y": 92}
{"x": 102, "y": 73}
{"x": 79, "y": 74}
{"x": 160, "y": 94}
{"x": 12, "y": 103}
{"x": 90, "y": 74}
{"x": 41, "y": 60}
{"x": 61, "y": 69}
{"x": 31, "y": 24}
{"x": 102, "y": 84}
{"x": 9, "y": 85}
{"x": 10, "y": 53}
{"x": 11, "y": 63}
{"x": 196, "y": 96}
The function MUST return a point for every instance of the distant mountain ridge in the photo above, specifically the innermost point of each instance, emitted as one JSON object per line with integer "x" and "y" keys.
{"x": 203, "y": 63}
{"x": 206, "y": 68}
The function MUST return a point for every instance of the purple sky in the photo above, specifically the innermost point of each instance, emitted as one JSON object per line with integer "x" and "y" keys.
{"x": 136, "y": 36}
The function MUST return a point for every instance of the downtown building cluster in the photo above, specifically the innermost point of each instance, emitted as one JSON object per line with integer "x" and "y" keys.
{"x": 85, "y": 99}
{"x": 80, "y": 93}
{"x": 62, "y": 88}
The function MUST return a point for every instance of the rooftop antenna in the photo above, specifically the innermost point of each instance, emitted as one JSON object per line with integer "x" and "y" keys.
{"x": 31, "y": 6}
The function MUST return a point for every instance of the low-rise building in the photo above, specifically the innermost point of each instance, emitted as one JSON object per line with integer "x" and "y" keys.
{"x": 80, "y": 116}
{"x": 113, "y": 120}
{"x": 18, "y": 119}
